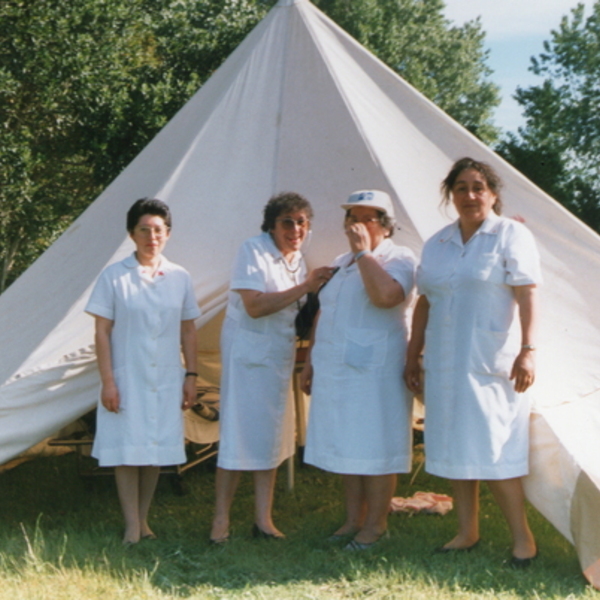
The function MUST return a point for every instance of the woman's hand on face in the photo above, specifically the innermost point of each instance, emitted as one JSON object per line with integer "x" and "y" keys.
{"x": 523, "y": 371}
{"x": 109, "y": 397}
{"x": 189, "y": 393}
{"x": 358, "y": 236}
{"x": 317, "y": 278}
{"x": 306, "y": 378}
{"x": 413, "y": 377}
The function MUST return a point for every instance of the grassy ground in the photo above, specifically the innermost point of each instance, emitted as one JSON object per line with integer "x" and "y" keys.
{"x": 60, "y": 539}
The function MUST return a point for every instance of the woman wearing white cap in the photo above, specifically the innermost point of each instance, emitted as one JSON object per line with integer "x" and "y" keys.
{"x": 360, "y": 417}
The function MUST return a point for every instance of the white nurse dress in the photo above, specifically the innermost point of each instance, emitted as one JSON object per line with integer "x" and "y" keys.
{"x": 257, "y": 408}
{"x": 146, "y": 358}
{"x": 476, "y": 425}
{"x": 360, "y": 415}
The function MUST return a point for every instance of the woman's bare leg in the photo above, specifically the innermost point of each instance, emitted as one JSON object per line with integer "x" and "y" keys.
{"x": 264, "y": 489}
{"x": 225, "y": 487}
{"x": 127, "y": 479}
{"x": 355, "y": 502}
{"x": 148, "y": 478}
{"x": 509, "y": 495}
{"x": 378, "y": 491}
{"x": 466, "y": 501}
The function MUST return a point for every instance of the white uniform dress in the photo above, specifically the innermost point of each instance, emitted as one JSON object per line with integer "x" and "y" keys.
{"x": 257, "y": 409}
{"x": 360, "y": 416}
{"x": 476, "y": 425}
{"x": 146, "y": 360}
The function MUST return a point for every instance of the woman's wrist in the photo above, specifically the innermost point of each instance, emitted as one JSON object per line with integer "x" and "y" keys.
{"x": 360, "y": 254}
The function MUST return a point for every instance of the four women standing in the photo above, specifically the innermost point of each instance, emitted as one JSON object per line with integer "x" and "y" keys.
{"x": 472, "y": 276}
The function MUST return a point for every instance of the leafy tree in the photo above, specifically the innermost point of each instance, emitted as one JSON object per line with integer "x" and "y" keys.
{"x": 559, "y": 146}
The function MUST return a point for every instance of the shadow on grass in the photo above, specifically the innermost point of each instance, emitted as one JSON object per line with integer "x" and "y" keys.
{"x": 54, "y": 519}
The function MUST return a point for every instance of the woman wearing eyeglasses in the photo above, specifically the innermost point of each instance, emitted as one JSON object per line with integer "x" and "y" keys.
{"x": 258, "y": 348}
{"x": 360, "y": 416}
{"x": 144, "y": 308}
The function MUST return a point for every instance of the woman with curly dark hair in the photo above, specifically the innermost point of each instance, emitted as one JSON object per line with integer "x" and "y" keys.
{"x": 258, "y": 348}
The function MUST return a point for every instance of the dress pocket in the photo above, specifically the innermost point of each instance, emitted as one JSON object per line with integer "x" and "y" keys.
{"x": 251, "y": 348}
{"x": 365, "y": 348}
{"x": 493, "y": 352}
{"x": 488, "y": 266}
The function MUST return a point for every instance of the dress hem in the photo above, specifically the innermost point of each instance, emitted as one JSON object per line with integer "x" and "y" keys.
{"x": 477, "y": 472}
{"x": 236, "y": 465}
{"x": 348, "y": 467}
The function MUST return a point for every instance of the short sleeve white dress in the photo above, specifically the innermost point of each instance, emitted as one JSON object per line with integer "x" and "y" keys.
{"x": 257, "y": 408}
{"x": 146, "y": 357}
{"x": 476, "y": 425}
{"x": 360, "y": 419}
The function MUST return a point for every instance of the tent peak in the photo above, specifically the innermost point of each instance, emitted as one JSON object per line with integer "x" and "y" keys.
{"x": 289, "y": 2}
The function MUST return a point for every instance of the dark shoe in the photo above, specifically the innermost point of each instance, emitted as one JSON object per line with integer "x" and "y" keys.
{"x": 219, "y": 541}
{"x": 444, "y": 550}
{"x": 354, "y": 546}
{"x": 334, "y": 538}
{"x": 258, "y": 533}
{"x": 522, "y": 563}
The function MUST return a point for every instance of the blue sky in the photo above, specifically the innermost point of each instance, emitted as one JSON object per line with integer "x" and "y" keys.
{"x": 515, "y": 31}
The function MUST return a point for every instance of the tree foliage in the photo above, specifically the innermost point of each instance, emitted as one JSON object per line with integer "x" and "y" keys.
{"x": 559, "y": 146}
{"x": 86, "y": 84}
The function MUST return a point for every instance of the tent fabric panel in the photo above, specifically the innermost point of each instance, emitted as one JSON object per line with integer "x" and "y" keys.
{"x": 36, "y": 407}
{"x": 323, "y": 154}
{"x": 552, "y": 475}
{"x": 585, "y": 526}
{"x": 64, "y": 275}
{"x": 577, "y": 425}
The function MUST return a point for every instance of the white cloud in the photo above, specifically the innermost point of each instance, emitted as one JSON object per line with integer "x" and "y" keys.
{"x": 512, "y": 18}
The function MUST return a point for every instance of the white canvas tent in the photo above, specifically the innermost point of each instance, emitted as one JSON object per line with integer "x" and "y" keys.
{"x": 301, "y": 106}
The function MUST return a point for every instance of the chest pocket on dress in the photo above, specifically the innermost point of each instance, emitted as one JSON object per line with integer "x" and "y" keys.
{"x": 488, "y": 266}
{"x": 365, "y": 348}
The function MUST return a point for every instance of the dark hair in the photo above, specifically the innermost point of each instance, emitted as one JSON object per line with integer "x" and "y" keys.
{"x": 385, "y": 221}
{"x": 281, "y": 204}
{"x": 491, "y": 177}
{"x": 147, "y": 206}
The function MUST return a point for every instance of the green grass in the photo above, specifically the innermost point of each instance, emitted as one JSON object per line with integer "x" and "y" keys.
{"x": 60, "y": 539}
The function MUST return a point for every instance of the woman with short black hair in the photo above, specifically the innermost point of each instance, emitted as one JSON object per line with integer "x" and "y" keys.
{"x": 144, "y": 308}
